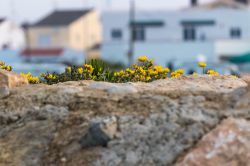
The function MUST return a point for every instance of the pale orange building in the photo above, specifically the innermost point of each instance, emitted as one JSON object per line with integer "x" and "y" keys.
{"x": 75, "y": 29}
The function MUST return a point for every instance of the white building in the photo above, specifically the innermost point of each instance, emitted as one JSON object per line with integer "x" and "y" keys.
{"x": 216, "y": 30}
{"x": 11, "y": 35}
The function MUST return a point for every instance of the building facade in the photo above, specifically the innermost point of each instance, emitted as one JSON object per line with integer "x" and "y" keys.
{"x": 73, "y": 29}
{"x": 215, "y": 30}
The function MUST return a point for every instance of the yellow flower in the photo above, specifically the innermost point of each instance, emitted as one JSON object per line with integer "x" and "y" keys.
{"x": 177, "y": 73}
{"x": 8, "y": 68}
{"x": 68, "y": 69}
{"x": 180, "y": 71}
{"x": 166, "y": 70}
{"x": 212, "y": 72}
{"x": 34, "y": 80}
{"x": 152, "y": 72}
{"x": 89, "y": 68}
{"x": 142, "y": 78}
{"x": 159, "y": 69}
{"x": 80, "y": 70}
{"x": 195, "y": 74}
{"x": 202, "y": 64}
{"x": 51, "y": 77}
{"x": 2, "y": 63}
{"x": 116, "y": 74}
{"x": 143, "y": 59}
{"x": 148, "y": 78}
{"x": 31, "y": 79}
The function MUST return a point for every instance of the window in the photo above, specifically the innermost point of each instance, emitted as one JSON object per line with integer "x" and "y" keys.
{"x": 235, "y": 33}
{"x": 116, "y": 34}
{"x": 189, "y": 33}
{"x": 44, "y": 40}
{"x": 138, "y": 33}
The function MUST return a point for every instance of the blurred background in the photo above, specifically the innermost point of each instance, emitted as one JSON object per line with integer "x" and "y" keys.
{"x": 48, "y": 35}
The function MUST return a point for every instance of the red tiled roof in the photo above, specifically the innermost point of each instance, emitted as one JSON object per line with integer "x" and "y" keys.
{"x": 42, "y": 52}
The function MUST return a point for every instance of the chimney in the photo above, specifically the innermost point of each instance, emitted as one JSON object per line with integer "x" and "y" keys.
{"x": 194, "y": 3}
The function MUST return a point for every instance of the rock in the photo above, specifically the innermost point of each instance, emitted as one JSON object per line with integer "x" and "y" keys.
{"x": 114, "y": 88}
{"x": 4, "y": 92}
{"x": 11, "y": 79}
{"x": 147, "y": 123}
{"x": 228, "y": 144}
{"x": 100, "y": 133}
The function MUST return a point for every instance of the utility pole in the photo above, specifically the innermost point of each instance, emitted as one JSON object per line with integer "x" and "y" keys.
{"x": 131, "y": 29}
{"x": 26, "y": 29}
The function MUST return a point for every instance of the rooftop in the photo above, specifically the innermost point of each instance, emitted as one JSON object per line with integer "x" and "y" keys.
{"x": 42, "y": 52}
{"x": 61, "y": 17}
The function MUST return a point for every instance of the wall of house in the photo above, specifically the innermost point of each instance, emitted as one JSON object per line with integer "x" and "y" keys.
{"x": 85, "y": 32}
{"x": 48, "y": 37}
{"x": 162, "y": 53}
{"x": 11, "y": 36}
{"x": 166, "y": 42}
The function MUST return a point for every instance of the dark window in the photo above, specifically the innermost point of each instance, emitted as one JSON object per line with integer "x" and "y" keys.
{"x": 116, "y": 34}
{"x": 138, "y": 33}
{"x": 189, "y": 34}
{"x": 235, "y": 33}
{"x": 242, "y": 1}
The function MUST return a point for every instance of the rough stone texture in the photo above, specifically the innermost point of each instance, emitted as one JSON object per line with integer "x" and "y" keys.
{"x": 155, "y": 123}
{"x": 228, "y": 144}
{"x": 100, "y": 133}
{"x": 11, "y": 79}
{"x": 4, "y": 92}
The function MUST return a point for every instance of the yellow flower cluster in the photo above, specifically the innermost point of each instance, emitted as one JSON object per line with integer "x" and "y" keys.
{"x": 212, "y": 72}
{"x": 31, "y": 79}
{"x": 5, "y": 67}
{"x": 177, "y": 73}
{"x": 145, "y": 72}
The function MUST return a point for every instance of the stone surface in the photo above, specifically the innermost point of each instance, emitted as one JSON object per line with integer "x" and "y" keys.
{"x": 100, "y": 133}
{"x": 228, "y": 144}
{"x": 4, "y": 92}
{"x": 148, "y": 123}
{"x": 11, "y": 79}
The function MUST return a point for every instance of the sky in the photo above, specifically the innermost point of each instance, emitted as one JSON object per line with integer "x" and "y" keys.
{"x": 31, "y": 10}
